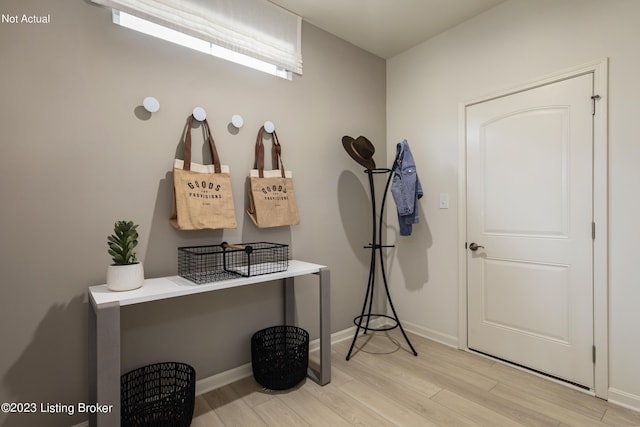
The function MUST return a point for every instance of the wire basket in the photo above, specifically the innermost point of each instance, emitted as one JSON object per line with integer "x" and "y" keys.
{"x": 158, "y": 395}
{"x": 280, "y": 356}
{"x": 206, "y": 264}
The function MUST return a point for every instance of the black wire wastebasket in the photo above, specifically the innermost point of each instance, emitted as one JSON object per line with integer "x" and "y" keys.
{"x": 158, "y": 395}
{"x": 280, "y": 356}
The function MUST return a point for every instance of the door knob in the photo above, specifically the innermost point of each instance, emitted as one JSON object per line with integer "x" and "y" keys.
{"x": 474, "y": 246}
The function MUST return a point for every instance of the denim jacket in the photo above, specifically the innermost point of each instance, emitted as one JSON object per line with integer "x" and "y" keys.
{"x": 405, "y": 188}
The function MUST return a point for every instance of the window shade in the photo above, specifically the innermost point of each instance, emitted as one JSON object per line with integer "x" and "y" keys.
{"x": 256, "y": 28}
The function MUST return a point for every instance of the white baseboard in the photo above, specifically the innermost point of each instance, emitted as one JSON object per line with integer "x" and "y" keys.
{"x": 448, "y": 340}
{"x": 624, "y": 399}
{"x": 213, "y": 382}
{"x": 82, "y": 424}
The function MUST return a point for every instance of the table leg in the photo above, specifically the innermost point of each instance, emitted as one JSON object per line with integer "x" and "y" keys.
{"x": 323, "y": 375}
{"x": 289, "y": 302}
{"x": 325, "y": 326}
{"x": 104, "y": 363}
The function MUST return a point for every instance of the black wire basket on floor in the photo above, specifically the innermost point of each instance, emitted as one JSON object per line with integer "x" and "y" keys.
{"x": 280, "y": 356}
{"x": 158, "y": 395}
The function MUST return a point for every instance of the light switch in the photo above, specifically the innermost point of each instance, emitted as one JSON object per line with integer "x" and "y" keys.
{"x": 444, "y": 201}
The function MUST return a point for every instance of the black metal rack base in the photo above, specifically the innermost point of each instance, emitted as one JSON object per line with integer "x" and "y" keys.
{"x": 376, "y": 247}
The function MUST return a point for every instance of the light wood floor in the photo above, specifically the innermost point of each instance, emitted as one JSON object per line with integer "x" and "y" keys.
{"x": 385, "y": 385}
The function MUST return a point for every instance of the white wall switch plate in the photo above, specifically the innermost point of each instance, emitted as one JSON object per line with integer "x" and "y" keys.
{"x": 444, "y": 201}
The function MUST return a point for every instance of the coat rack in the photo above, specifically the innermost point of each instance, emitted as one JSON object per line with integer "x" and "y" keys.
{"x": 376, "y": 247}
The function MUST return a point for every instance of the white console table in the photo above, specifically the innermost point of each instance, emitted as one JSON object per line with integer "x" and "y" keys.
{"x": 104, "y": 326}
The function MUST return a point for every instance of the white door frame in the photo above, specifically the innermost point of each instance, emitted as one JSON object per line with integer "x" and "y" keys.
{"x": 600, "y": 210}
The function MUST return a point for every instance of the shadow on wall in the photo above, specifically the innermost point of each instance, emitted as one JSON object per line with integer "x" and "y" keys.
{"x": 251, "y": 233}
{"x": 355, "y": 214}
{"x": 411, "y": 251}
{"x": 45, "y": 358}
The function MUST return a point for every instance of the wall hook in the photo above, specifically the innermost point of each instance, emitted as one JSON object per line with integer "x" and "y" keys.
{"x": 269, "y": 127}
{"x": 199, "y": 114}
{"x": 237, "y": 120}
{"x": 151, "y": 104}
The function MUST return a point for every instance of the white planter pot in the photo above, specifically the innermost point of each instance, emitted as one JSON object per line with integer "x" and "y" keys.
{"x": 125, "y": 277}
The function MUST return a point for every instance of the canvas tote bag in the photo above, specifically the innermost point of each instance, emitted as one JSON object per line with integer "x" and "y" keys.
{"x": 272, "y": 201}
{"x": 202, "y": 193}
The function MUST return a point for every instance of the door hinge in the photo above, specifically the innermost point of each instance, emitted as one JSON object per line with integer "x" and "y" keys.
{"x": 593, "y": 353}
{"x": 594, "y": 98}
{"x": 593, "y": 231}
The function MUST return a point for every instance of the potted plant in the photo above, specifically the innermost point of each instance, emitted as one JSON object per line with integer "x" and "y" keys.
{"x": 126, "y": 273}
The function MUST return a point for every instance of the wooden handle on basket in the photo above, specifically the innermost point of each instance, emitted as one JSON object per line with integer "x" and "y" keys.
{"x": 232, "y": 246}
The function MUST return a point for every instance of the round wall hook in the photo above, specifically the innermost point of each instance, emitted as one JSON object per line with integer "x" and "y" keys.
{"x": 237, "y": 120}
{"x": 269, "y": 126}
{"x": 199, "y": 114}
{"x": 151, "y": 104}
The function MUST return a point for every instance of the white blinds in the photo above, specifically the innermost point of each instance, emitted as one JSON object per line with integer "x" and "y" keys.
{"x": 256, "y": 28}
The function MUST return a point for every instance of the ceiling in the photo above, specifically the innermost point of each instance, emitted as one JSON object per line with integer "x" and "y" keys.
{"x": 386, "y": 27}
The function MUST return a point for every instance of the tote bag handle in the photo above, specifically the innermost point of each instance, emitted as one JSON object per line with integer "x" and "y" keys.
{"x": 208, "y": 137}
{"x": 276, "y": 153}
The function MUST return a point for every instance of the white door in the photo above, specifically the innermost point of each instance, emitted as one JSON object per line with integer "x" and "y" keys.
{"x": 529, "y": 207}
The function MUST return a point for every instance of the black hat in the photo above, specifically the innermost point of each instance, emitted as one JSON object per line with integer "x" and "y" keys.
{"x": 361, "y": 150}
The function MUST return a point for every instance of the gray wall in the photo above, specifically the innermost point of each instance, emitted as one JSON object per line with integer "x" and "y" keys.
{"x": 78, "y": 153}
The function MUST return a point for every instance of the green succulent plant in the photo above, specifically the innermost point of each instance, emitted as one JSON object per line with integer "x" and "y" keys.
{"x": 122, "y": 243}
